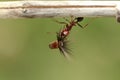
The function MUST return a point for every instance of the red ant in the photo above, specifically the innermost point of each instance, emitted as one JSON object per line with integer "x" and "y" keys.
{"x": 62, "y": 41}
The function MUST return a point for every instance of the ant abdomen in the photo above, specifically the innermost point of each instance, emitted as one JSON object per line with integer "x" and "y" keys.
{"x": 79, "y": 19}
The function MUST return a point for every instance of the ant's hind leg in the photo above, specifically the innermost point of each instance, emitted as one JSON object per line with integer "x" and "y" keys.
{"x": 59, "y": 21}
{"x": 71, "y": 19}
{"x": 66, "y": 19}
{"x": 82, "y": 26}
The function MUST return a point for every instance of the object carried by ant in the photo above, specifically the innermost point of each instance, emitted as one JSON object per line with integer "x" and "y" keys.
{"x": 62, "y": 41}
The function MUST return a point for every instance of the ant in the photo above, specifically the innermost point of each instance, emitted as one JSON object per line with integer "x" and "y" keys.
{"x": 62, "y": 42}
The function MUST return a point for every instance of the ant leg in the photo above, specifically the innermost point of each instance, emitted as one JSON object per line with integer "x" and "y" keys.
{"x": 85, "y": 24}
{"x": 72, "y": 18}
{"x": 66, "y": 19}
{"x": 59, "y": 22}
{"x": 81, "y": 25}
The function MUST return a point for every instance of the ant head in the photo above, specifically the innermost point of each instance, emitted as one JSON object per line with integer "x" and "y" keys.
{"x": 53, "y": 45}
{"x": 79, "y": 19}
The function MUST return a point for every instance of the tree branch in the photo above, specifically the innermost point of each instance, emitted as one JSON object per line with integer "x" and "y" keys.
{"x": 38, "y": 9}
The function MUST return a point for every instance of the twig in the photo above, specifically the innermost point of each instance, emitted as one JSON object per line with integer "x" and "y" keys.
{"x": 37, "y": 9}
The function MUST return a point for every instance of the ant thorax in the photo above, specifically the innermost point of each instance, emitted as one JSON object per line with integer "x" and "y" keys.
{"x": 65, "y": 33}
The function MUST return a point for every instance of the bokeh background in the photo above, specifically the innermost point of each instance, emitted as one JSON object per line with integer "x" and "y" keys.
{"x": 25, "y": 55}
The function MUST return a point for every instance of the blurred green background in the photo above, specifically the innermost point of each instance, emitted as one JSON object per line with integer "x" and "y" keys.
{"x": 25, "y": 55}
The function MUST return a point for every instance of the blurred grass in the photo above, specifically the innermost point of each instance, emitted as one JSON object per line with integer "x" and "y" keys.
{"x": 25, "y": 55}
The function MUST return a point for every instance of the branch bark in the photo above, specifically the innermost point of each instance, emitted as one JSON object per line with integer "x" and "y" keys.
{"x": 38, "y": 9}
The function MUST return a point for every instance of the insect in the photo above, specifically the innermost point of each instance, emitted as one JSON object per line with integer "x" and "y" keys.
{"x": 62, "y": 42}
